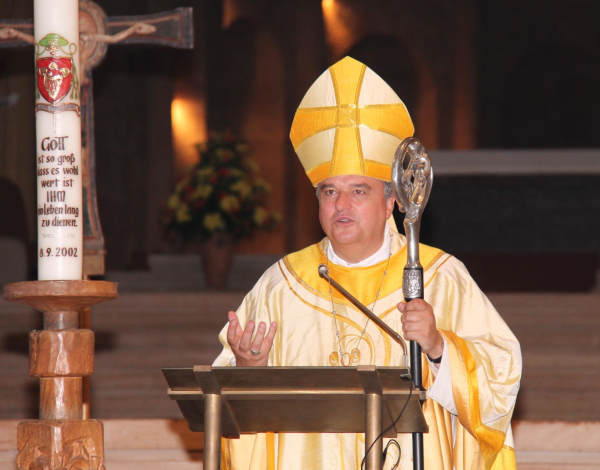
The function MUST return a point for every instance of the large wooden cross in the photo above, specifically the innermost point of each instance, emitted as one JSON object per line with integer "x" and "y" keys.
{"x": 171, "y": 28}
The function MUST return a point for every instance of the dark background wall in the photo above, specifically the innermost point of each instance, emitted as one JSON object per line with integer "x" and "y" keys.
{"x": 474, "y": 75}
{"x": 539, "y": 66}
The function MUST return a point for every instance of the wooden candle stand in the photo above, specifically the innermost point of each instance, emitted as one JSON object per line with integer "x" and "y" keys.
{"x": 60, "y": 355}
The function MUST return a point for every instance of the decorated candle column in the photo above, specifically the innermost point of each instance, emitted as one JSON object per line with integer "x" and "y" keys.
{"x": 58, "y": 140}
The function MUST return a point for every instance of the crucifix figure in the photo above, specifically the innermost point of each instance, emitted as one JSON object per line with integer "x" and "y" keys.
{"x": 171, "y": 28}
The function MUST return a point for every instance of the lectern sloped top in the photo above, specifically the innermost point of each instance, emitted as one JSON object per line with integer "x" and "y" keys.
{"x": 295, "y": 399}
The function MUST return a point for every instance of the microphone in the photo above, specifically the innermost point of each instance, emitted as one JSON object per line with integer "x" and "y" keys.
{"x": 323, "y": 271}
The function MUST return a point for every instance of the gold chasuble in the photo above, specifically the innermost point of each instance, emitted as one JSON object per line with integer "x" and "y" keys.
{"x": 483, "y": 356}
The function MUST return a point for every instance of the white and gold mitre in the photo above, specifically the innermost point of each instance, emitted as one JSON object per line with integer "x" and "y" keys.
{"x": 350, "y": 122}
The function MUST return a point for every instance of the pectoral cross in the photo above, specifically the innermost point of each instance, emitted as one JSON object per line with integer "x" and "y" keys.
{"x": 171, "y": 28}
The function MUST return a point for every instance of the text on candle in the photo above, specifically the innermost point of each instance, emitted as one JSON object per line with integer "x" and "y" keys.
{"x": 55, "y": 196}
{"x": 72, "y": 252}
{"x": 58, "y": 143}
{"x": 57, "y": 222}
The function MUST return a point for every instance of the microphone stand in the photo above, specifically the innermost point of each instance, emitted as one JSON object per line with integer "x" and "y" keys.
{"x": 324, "y": 273}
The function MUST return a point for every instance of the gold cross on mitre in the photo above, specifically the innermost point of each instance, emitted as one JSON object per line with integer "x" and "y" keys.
{"x": 350, "y": 122}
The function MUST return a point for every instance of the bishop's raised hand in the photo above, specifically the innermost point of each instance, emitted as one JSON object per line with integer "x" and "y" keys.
{"x": 248, "y": 351}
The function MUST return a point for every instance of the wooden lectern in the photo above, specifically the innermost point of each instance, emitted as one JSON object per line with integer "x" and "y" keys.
{"x": 229, "y": 401}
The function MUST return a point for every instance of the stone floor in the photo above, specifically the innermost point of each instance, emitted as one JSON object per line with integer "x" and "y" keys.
{"x": 155, "y": 444}
{"x": 140, "y": 333}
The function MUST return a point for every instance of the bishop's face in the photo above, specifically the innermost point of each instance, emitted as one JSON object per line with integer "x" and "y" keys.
{"x": 353, "y": 211}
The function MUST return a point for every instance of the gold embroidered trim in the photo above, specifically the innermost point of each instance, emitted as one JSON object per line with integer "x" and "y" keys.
{"x": 350, "y": 105}
{"x": 436, "y": 269}
{"x": 490, "y": 440}
{"x": 361, "y": 121}
{"x": 270, "y": 451}
{"x": 361, "y": 157}
{"x": 321, "y": 259}
{"x": 336, "y": 138}
{"x": 336, "y": 88}
{"x": 385, "y": 131}
{"x": 321, "y": 129}
{"x": 359, "y": 84}
{"x": 506, "y": 459}
{"x": 319, "y": 309}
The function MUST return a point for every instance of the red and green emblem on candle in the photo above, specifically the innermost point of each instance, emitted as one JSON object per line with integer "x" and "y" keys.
{"x": 56, "y": 74}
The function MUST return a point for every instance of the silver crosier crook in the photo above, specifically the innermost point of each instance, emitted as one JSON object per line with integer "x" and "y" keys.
{"x": 412, "y": 178}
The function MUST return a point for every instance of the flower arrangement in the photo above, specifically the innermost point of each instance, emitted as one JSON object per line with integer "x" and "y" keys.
{"x": 221, "y": 194}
